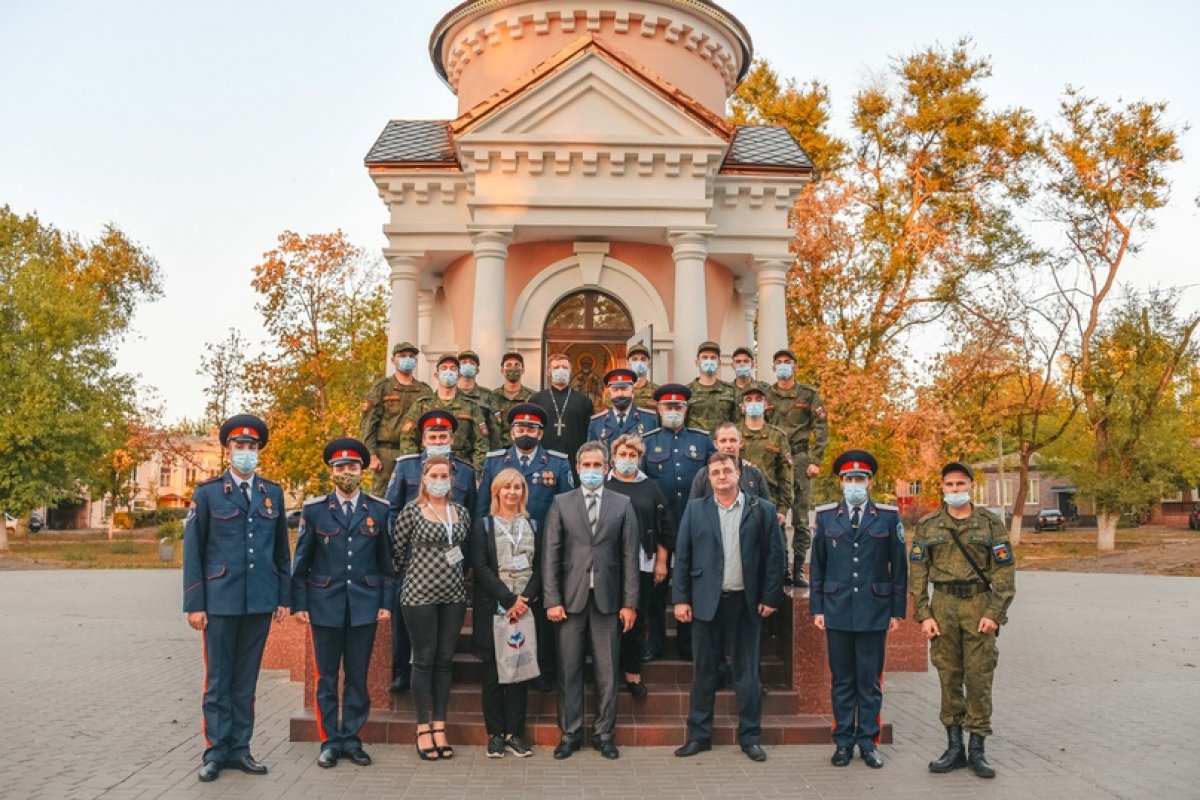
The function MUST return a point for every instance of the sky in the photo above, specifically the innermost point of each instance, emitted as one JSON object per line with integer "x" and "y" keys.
{"x": 204, "y": 129}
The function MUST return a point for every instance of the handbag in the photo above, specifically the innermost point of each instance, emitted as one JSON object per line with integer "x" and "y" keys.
{"x": 515, "y": 647}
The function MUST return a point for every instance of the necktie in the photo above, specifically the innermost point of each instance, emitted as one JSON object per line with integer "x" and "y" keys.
{"x": 621, "y": 420}
{"x": 524, "y": 462}
{"x": 593, "y": 511}
{"x": 855, "y": 516}
{"x": 347, "y": 508}
{"x": 246, "y": 491}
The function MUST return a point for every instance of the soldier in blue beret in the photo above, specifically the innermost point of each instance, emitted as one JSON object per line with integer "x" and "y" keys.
{"x": 342, "y": 584}
{"x": 621, "y": 417}
{"x": 547, "y": 474}
{"x": 437, "y": 427}
{"x": 674, "y": 454}
{"x": 235, "y": 577}
{"x": 858, "y": 595}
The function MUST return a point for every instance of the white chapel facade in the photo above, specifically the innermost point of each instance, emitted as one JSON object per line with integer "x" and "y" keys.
{"x": 590, "y": 192}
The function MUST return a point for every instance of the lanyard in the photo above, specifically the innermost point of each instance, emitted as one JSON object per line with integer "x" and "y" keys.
{"x": 506, "y": 529}
{"x": 446, "y": 522}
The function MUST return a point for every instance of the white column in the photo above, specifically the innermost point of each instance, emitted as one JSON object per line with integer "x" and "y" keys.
{"x": 424, "y": 330}
{"x": 748, "y": 291}
{"x": 772, "y": 310}
{"x": 690, "y": 250}
{"x": 488, "y": 331}
{"x": 402, "y": 321}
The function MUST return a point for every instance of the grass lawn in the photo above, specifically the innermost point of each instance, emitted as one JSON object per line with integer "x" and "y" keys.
{"x": 136, "y": 549}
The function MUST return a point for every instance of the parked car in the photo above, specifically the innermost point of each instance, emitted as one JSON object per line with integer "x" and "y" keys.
{"x": 1050, "y": 519}
{"x": 36, "y": 523}
{"x": 293, "y": 517}
{"x": 1194, "y": 518}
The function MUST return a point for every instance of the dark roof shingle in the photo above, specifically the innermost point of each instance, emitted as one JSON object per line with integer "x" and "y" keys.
{"x": 766, "y": 146}
{"x": 406, "y": 141}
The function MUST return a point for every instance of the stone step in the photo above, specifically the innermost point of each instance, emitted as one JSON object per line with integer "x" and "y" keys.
{"x": 468, "y": 669}
{"x": 466, "y": 728}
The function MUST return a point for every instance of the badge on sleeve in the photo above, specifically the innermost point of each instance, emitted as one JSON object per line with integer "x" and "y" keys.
{"x": 1001, "y": 553}
{"x": 191, "y": 515}
{"x": 900, "y": 531}
{"x": 917, "y": 554}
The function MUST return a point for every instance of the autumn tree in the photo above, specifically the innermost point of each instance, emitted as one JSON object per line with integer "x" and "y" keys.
{"x": 65, "y": 305}
{"x": 1108, "y": 176}
{"x": 224, "y": 365}
{"x": 324, "y": 309}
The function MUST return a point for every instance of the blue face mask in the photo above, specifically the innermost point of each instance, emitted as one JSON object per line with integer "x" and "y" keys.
{"x": 406, "y": 364}
{"x": 855, "y": 493}
{"x": 743, "y": 370}
{"x": 957, "y": 499}
{"x": 591, "y": 478}
{"x": 755, "y": 408}
{"x": 469, "y": 371}
{"x": 438, "y": 450}
{"x": 448, "y": 378}
{"x": 244, "y": 461}
{"x": 639, "y": 368}
{"x": 626, "y": 466}
{"x": 785, "y": 371}
{"x": 708, "y": 366}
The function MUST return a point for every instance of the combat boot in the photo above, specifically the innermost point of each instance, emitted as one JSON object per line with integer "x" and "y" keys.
{"x": 954, "y": 757}
{"x": 977, "y": 760}
{"x": 798, "y": 578}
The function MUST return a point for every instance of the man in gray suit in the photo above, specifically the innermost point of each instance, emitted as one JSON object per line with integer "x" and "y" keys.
{"x": 590, "y": 588}
{"x": 728, "y": 578}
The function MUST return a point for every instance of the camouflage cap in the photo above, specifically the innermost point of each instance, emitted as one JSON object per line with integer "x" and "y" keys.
{"x": 405, "y": 347}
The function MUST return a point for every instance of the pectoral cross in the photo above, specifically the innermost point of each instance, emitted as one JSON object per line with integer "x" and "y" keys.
{"x": 558, "y": 426}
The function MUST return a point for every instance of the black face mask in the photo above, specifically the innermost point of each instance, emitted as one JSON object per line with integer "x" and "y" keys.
{"x": 622, "y": 403}
{"x": 525, "y": 442}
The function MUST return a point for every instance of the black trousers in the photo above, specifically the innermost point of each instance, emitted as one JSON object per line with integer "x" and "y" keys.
{"x": 856, "y": 666}
{"x": 435, "y": 629}
{"x": 733, "y": 635}
{"x": 233, "y": 651}
{"x": 346, "y": 648}
{"x": 632, "y": 641}
{"x": 401, "y": 645}
{"x": 504, "y": 704}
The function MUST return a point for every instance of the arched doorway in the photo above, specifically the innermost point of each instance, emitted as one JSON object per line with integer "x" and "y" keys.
{"x": 591, "y": 327}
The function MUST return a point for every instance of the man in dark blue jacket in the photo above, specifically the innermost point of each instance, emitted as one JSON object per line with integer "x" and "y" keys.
{"x": 729, "y": 566}
{"x": 342, "y": 584}
{"x": 235, "y": 577}
{"x": 622, "y": 416}
{"x": 859, "y": 594}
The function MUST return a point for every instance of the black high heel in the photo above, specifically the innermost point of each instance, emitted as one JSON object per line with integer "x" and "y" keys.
{"x": 445, "y": 751}
{"x": 430, "y": 753}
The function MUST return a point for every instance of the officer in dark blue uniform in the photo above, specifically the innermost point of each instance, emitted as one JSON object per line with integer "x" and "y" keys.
{"x": 235, "y": 577}
{"x": 547, "y": 473}
{"x": 437, "y": 426}
{"x": 859, "y": 590}
{"x": 342, "y": 584}
{"x": 621, "y": 417}
{"x": 674, "y": 454}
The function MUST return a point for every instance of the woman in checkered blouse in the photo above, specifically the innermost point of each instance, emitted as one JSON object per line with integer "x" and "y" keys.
{"x": 429, "y": 541}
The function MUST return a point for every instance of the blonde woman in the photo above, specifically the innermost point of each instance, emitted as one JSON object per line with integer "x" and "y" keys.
{"x": 504, "y": 550}
{"x": 429, "y": 540}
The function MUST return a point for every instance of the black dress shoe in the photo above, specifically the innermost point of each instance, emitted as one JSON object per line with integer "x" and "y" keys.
{"x": 359, "y": 757}
{"x": 841, "y": 756}
{"x": 798, "y": 579}
{"x": 248, "y": 765}
{"x": 565, "y": 748}
{"x": 872, "y": 757}
{"x": 637, "y": 689}
{"x": 754, "y": 752}
{"x": 651, "y": 655}
{"x": 328, "y": 758}
{"x": 543, "y": 684}
{"x": 209, "y": 772}
{"x": 693, "y": 748}
{"x": 400, "y": 684}
{"x": 606, "y": 748}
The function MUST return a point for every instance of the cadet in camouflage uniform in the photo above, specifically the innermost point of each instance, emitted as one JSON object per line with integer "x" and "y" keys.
{"x": 383, "y": 412}
{"x": 468, "y": 371}
{"x": 743, "y": 372}
{"x": 638, "y": 360}
{"x": 965, "y": 614}
{"x": 797, "y": 409}
{"x": 471, "y": 437}
{"x": 509, "y": 394}
{"x": 767, "y": 448}
{"x": 713, "y": 400}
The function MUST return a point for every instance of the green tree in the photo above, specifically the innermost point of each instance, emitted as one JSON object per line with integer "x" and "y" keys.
{"x": 65, "y": 304}
{"x": 325, "y": 307}
{"x": 224, "y": 364}
{"x": 1108, "y": 176}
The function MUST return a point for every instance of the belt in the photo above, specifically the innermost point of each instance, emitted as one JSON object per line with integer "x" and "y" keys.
{"x": 732, "y": 592}
{"x": 960, "y": 589}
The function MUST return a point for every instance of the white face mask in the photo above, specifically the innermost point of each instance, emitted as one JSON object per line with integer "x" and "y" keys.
{"x": 560, "y": 376}
{"x": 672, "y": 419}
{"x": 957, "y": 499}
{"x": 626, "y": 466}
{"x": 437, "y": 488}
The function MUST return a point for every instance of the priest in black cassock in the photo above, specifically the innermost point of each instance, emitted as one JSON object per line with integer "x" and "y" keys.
{"x": 568, "y": 410}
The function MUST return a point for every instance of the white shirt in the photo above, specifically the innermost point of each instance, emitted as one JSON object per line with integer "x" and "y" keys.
{"x": 731, "y": 542}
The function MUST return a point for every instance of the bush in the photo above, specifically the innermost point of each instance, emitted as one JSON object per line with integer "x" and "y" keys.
{"x": 157, "y": 516}
{"x": 171, "y": 529}
{"x": 123, "y": 521}
{"x": 123, "y": 549}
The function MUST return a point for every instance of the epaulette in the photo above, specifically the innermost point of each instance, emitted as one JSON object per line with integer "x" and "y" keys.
{"x": 463, "y": 461}
{"x": 557, "y": 454}
{"x": 700, "y": 430}
{"x": 601, "y": 414}
{"x": 220, "y": 476}
{"x": 987, "y": 512}
{"x": 826, "y": 507}
{"x": 494, "y": 453}
{"x": 652, "y": 430}
{"x": 887, "y": 507}
{"x": 929, "y": 516}
{"x": 377, "y": 498}
{"x": 270, "y": 482}
{"x": 408, "y": 457}
{"x": 312, "y": 501}
{"x": 651, "y": 411}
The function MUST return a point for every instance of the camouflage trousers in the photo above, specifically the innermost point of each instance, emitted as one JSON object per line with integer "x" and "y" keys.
{"x": 801, "y": 505}
{"x": 379, "y": 480}
{"x": 965, "y": 660}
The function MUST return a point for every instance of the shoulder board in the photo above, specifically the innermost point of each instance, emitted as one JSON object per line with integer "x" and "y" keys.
{"x": 648, "y": 411}
{"x": 651, "y": 431}
{"x": 699, "y": 430}
{"x": 464, "y": 462}
{"x": 270, "y": 482}
{"x": 494, "y": 453}
{"x": 887, "y": 507}
{"x": 826, "y": 507}
{"x": 408, "y": 457}
{"x": 220, "y": 476}
{"x": 377, "y": 498}
{"x": 601, "y": 414}
{"x": 312, "y": 501}
{"x": 987, "y": 512}
{"x": 557, "y": 454}
{"x": 929, "y": 516}
{"x": 808, "y": 386}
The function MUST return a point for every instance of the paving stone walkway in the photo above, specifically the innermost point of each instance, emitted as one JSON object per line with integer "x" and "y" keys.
{"x": 1097, "y": 690}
